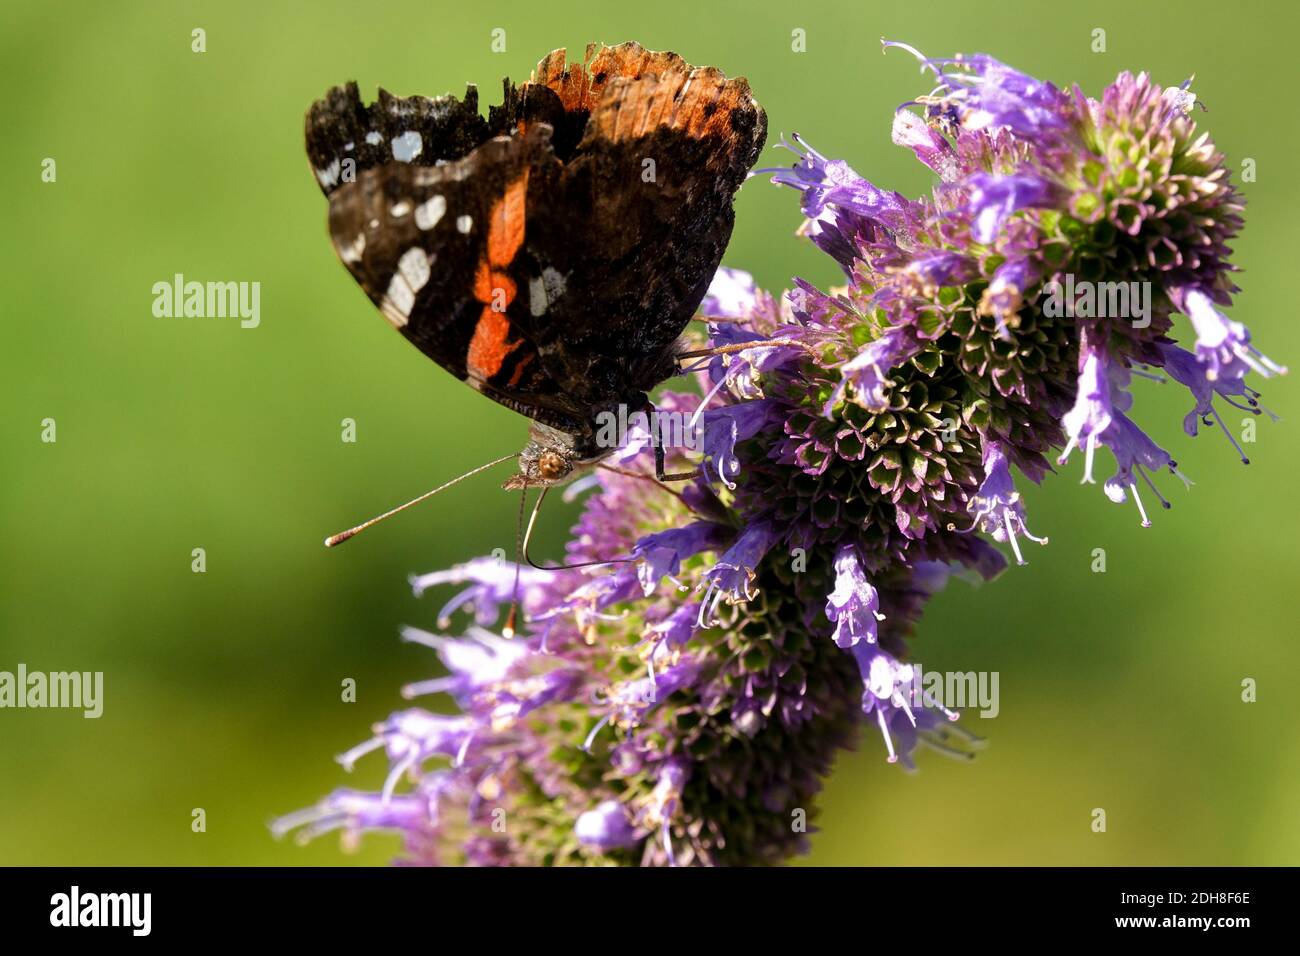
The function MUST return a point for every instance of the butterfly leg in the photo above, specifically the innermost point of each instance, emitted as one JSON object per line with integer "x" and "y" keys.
{"x": 657, "y": 443}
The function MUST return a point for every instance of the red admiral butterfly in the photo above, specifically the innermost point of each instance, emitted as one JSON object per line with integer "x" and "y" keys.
{"x": 551, "y": 254}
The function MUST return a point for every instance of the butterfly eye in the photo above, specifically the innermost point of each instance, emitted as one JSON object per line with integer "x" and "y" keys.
{"x": 551, "y": 466}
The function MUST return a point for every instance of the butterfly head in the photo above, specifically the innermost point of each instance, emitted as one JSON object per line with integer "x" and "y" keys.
{"x": 551, "y": 457}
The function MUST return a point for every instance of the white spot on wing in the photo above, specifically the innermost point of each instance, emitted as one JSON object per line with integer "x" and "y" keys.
{"x": 329, "y": 176}
{"x": 353, "y": 250}
{"x": 407, "y": 146}
{"x": 414, "y": 267}
{"x": 464, "y": 223}
{"x": 428, "y": 213}
{"x": 411, "y": 275}
{"x": 373, "y": 138}
{"x": 399, "y": 209}
{"x": 537, "y": 296}
{"x": 554, "y": 282}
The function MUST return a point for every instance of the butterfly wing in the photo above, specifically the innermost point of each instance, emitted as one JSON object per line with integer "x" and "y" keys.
{"x": 550, "y": 255}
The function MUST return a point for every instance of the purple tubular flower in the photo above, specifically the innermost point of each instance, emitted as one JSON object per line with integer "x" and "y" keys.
{"x": 732, "y": 577}
{"x": 1184, "y": 368}
{"x": 514, "y": 699}
{"x": 493, "y": 586}
{"x": 996, "y": 507}
{"x": 605, "y": 827}
{"x": 1222, "y": 345}
{"x": 883, "y": 697}
{"x": 662, "y": 553}
{"x": 412, "y": 736}
{"x": 994, "y": 199}
{"x": 1004, "y": 296}
{"x": 733, "y": 294}
{"x": 665, "y": 802}
{"x": 868, "y": 371}
{"x": 854, "y": 605}
{"x": 987, "y": 94}
{"x": 928, "y": 144}
{"x": 833, "y": 183}
{"x": 354, "y": 811}
{"x": 725, "y": 427}
{"x": 1091, "y": 414}
{"x": 1134, "y": 451}
{"x": 938, "y": 269}
{"x": 631, "y": 700}
{"x": 677, "y": 628}
{"x": 840, "y": 205}
{"x": 475, "y": 661}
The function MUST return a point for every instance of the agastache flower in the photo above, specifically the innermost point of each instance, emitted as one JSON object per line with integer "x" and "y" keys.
{"x": 1092, "y": 413}
{"x": 410, "y": 737}
{"x": 662, "y": 553}
{"x": 1223, "y": 346}
{"x": 996, "y": 507}
{"x": 1135, "y": 454}
{"x": 986, "y": 94}
{"x": 854, "y": 605}
{"x": 492, "y": 585}
{"x": 732, "y": 577}
{"x": 606, "y": 827}
{"x": 994, "y": 199}
{"x": 866, "y": 376}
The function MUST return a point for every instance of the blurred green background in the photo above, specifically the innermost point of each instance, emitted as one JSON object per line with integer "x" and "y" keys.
{"x": 1118, "y": 690}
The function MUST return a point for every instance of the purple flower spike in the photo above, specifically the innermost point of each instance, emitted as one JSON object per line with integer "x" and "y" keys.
{"x": 854, "y": 605}
{"x": 994, "y": 199}
{"x": 605, "y": 827}
{"x": 996, "y": 507}
{"x": 849, "y": 473}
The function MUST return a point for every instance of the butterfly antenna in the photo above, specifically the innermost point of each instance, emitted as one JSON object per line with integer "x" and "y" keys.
{"x": 509, "y": 630}
{"x": 336, "y": 539}
{"x": 528, "y": 535}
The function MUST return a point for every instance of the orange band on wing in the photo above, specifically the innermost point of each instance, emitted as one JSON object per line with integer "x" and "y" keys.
{"x": 506, "y": 223}
{"x": 488, "y": 348}
{"x": 492, "y": 287}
